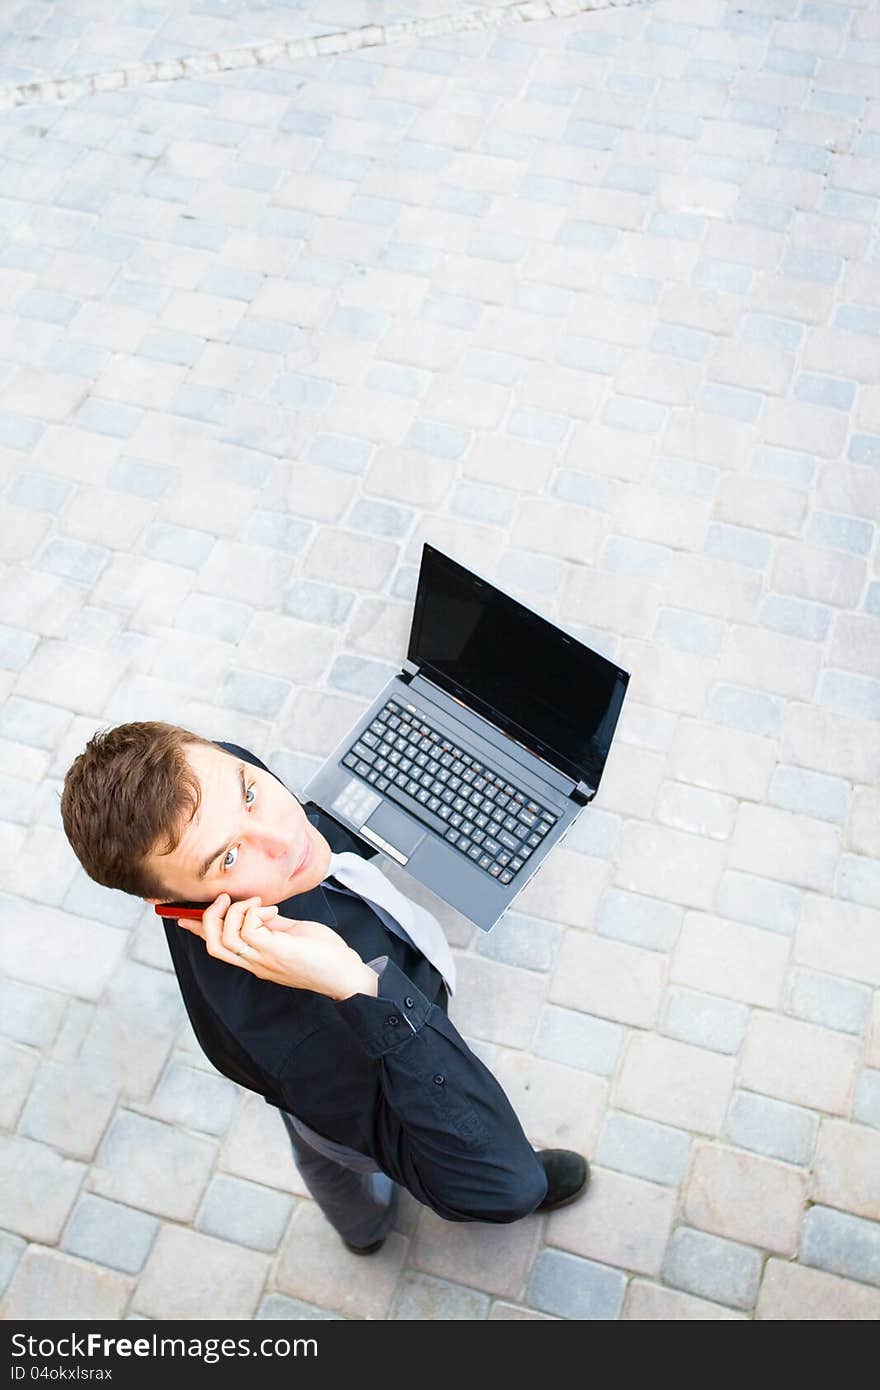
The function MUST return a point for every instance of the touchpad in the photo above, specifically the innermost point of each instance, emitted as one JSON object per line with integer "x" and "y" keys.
{"x": 392, "y": 825}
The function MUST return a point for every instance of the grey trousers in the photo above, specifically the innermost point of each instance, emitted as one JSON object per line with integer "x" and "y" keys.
{"x": 357, "y": 1198}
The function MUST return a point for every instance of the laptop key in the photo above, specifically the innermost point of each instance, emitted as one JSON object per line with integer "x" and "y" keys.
{"x": 417, "y": 811}
{"x": 362, "y": 767}
{"x": 495, "y": 870}
{"x": 516, "y": 865}
{"x": 381, "y": 783}
{"x": 485, "y": 861}
{"x": 505, "y": 876}
{"x": 452, "y": 836}
{"x": 474, "y": 852}
{"x": 350, "y": 760}
{"x": 507, "y": 839}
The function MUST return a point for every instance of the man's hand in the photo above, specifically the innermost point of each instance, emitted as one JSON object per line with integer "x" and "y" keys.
{"x": 302, "y": 955}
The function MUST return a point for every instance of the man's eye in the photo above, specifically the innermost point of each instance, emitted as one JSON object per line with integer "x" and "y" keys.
{"x": 251, "y": 788}
{"x": 234, "y": 851}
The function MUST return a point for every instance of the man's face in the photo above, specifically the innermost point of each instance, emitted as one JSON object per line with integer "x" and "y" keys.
{"x": 247, "y": 838}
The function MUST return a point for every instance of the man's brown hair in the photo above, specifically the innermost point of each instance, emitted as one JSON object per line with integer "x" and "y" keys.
{"x": 129, "y": 794}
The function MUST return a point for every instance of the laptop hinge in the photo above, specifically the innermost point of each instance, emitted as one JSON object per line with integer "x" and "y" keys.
{"x": 408, "y": 670}
{"x": 582, "y": 793}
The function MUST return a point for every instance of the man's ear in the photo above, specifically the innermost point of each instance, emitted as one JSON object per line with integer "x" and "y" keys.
{"x": 154, "y": 900}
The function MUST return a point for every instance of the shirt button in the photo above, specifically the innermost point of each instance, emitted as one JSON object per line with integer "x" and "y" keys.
{"x": 393, "y": 1020}
{"x": 410, "y": 1003}
{"x": 439, "y": 1080}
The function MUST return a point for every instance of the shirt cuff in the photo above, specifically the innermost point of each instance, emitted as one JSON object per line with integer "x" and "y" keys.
{"x": 387, "y": 1022}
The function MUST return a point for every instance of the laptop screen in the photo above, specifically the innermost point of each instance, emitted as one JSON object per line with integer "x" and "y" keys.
{"x": 527, "y": 676}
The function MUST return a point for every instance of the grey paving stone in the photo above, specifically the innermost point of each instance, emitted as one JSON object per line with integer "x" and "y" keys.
{"x": 824, "y": 390}
{"x": 848, "y": 694}
{"x": 864, "y": 448}
{"x": 29, "y": 1014}
{"x": 858, "y": 880}
{"x": 108, "y": 417}
{"x": 420, "y": 1298}
{"x": 720, "y": 1270}
{"x": 598, "y": 493}
{"x": 796, "y": 617}
{"x": 278, "y": 1306}
{"x": 337, "y": 451}
{"x": 643, "y": 1149}
{"x": 109, "y": 1234}
{"x": 529, "y": 572}
{"x": 522, "y": 940}
{"x": 278, "y": 531}
{"x": 37, "y": 1188}
{"x": 254, "y": 693}
{"x": 702, "y": 1019}
{"x": 18, "y": 432}
{"x": 690, "y": 632}
{"x": 68, "y": 1107}
{"x": 442, "y": 440}
{"x": 318, "y": 603}
{"x": 640, "y": 559}
{"x": 594, "y": 832}
{"x": 764, "y": 328}
{"x": 806, "y": 263}
{"x": 244, "y": 1212}
{"x": 842, "y": 1244}
{"x": 483, "y": 503}
{"x": 772, "y": 1128}
{"x": 11, "y": 1251}
{"x": 578, "y": 1040}
{"x": 738, "y": 544}
{"x": 195, "y": 1099}
{"x": 730, "y": 401}
{"x": 359, "y": 675}
{"x": 177, "y": 545}
{"x": 71, "y": 559}
{"x": 39, "y": 491}
{"x": 751, "y": 710}
{"x": 32, "y": 723}
{"x": 47, "y": 306}
{"x": 639, "y": 920}
{"x": 16, "y": 647}
{"x": 574, "y": 1288}
{"x": 841, "y": 532}
{"x": 866, "y": 1102}
{"x": 166, "y": 345}
{"x": 810, "y": 793}
{"x": 826, "y": 1000}
{"x": 380, "y": 518}
{"x": 50, "y": 1285}
{"x": 151, "y": 1166}
{"x": 222, "y": 618}
{"x": 689, "y": 343}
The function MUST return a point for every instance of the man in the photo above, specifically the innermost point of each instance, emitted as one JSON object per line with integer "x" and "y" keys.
{"x": 311, "y": 980}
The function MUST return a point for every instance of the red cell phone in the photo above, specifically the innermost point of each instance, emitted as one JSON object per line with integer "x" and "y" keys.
{"x": 189, "y": 910}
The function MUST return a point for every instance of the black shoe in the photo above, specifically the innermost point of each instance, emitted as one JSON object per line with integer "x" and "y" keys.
{"x": 568, "y": 1175}
{"x": 365, "y": 1249}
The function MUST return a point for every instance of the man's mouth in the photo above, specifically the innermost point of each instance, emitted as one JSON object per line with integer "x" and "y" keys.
{"x": 305, "y": 860}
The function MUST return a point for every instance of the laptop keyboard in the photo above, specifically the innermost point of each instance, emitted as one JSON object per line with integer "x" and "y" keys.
{"x": 473, "y": 806}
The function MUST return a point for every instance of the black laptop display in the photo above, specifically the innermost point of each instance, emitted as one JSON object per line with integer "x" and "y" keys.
{"x": 477, "y": 758}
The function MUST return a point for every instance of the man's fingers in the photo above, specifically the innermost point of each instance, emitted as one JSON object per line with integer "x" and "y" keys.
{"x": 214, "y": 940}
{"x": 234, "y": 916}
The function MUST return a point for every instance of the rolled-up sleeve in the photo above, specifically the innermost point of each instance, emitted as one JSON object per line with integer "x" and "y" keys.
{"x": 462, "y": 1151}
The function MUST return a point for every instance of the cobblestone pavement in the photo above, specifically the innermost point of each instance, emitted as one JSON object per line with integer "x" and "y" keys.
{"x": 591, "y": 302}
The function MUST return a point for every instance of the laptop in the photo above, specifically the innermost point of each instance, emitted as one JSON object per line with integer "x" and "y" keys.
{"x": 480, "y": 754}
